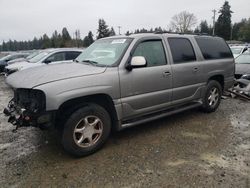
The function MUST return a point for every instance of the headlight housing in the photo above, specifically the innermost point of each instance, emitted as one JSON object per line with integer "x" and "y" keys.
{"x": 32, "y": 100}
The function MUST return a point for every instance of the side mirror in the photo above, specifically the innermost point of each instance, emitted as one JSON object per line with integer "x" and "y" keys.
{"x": 47, "y": 61}
{"x": 136, "y": 62}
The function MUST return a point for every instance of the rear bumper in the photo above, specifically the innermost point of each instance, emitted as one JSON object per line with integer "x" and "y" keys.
{"x": 229, "y": 83}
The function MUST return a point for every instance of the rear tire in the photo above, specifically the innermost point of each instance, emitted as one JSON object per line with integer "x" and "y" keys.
{"x": 86, "y": 130}
{"x": 212, "y": 97}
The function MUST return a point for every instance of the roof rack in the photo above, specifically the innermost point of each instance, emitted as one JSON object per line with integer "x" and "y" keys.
{"x": 180, "y": 33}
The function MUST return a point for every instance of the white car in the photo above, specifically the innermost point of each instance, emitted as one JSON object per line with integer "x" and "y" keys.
{"x": 45, "y": 57}
{"x": 237, "y": 50}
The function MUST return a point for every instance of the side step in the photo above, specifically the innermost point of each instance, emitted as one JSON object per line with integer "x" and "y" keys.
{"x": 159, "y": 115}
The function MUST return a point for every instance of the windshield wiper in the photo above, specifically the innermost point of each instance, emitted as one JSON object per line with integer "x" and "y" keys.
{"x": 75, "y": 60}
{"x": 90, "y": 62}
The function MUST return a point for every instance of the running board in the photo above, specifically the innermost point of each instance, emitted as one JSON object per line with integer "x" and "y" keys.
{"x": 159, "y": 115}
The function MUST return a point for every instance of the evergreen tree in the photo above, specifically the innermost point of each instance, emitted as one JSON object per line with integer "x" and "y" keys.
{"x": 157, "y": 29}
{"x": 66, "y": 39}
{"x": 236, "y": 29}
{"x": 112, "y": 32}
{"x": 90, "y": 36}
{"x": 65, "y": 34}
{"x": 46, "y": 42}
{"x": 103, "y": 30}
{"x": 197, "y": 30}
{"x": 88, "y": 40}
{"x": 128, "y": 33}
{"x": 204, "y": 27}
{"x": 223, "y": 24}
{"x": 244, "y": 32}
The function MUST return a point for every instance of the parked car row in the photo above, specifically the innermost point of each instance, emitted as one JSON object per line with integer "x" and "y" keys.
{"x": 242, "y": 64}
{"x": 238, "y": 49}
{"x": 119, "y": 82}
{"x": 44, "y": 57}
{"x": 4, "y": 60}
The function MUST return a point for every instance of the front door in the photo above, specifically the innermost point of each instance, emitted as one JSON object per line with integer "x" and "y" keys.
{"x": 146, "y": 89}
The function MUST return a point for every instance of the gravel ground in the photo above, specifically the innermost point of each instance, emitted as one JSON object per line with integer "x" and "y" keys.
{"x": 190, "y": 149}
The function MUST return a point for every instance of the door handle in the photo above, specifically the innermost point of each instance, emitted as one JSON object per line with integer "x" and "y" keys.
{"x": 195, "y": 69}
{"x": 166, "y": 73}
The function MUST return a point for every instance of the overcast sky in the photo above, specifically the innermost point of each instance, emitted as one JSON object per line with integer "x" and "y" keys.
{"x": 25, "y": 19}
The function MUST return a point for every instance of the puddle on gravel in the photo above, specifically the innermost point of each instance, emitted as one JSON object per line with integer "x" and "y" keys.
{"x": 176, "y": 163}
{"x": 195, "y": 135}
{"x": 212, "y": 160}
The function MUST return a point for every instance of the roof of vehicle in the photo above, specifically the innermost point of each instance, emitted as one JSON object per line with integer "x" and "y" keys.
{"x": 239, "y": 46}
{"x": 168, "y": 34}
{"x": 49, "y": 50}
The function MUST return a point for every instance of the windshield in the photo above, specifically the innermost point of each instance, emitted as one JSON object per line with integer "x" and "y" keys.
{"x": 38, "y": 57}
{"x": 5, "y": 57}
{"x": 243, "y": 58}
{"x": 32, "y": 55}
{"x": 105, "y": 52}
{"x": 236, "y": 50}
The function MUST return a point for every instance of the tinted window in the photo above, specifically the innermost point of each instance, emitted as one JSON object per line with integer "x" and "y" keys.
{"x": 60, "y": 56}
{"x": 72, "y": 55}
{"x": 153, "y": 52}
{"x": 182, "y": 50}
{"x": 214, "y": 48}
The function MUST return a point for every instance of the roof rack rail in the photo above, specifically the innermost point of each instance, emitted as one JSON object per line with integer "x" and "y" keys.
{"x": 162, "y": 32}
{"x": 183, "y": 33}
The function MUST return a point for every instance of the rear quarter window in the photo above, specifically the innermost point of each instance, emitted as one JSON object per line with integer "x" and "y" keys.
{"x": 213, "y": 48}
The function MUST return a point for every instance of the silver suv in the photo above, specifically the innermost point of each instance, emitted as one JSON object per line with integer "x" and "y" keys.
{"x": 120, "y": 82}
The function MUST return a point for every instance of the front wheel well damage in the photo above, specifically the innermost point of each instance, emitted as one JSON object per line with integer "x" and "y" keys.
{"x": 70, "y": 106}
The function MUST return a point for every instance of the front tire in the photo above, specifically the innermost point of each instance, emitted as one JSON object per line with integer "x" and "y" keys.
{"x": 86, "y": 130}
{"x": 212, "y": 97}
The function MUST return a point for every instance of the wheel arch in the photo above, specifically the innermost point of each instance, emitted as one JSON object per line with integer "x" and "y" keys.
{"x": 104, "y": 100}
{"x": 219, "y": 78}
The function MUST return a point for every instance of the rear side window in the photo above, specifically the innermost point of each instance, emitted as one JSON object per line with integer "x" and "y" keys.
{"x": 59, "y": 56}
{"x": 213, "y": 48}
{"x": 182, "y": 50}
{"x": 153, "y": 52}
{"x": 72, "y": 55}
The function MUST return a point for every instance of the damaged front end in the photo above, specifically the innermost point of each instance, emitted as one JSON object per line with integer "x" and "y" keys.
{"x": 27, "y": 108}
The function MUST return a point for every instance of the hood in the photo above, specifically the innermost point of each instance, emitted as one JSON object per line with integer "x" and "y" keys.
{"x": 33, "y": 77}
{"x": 17, "y": 65}
{"x": 16, "y": 60}
{"x": 241, "y": 68}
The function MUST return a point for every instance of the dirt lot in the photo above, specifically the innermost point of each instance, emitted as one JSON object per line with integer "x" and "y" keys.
{"x": 191, "y": 149}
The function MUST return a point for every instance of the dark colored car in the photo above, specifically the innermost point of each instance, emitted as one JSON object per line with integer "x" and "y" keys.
{"x": 30, "y": 56}
{"x": 6, "y": 59}
{"x": 242, "y": 64}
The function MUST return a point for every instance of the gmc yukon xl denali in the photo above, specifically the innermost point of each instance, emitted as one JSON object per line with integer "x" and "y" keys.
{"x": 120, "y": 82}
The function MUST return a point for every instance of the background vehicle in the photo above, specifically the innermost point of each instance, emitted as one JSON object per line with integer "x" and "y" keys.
{"x": 4, "y": 60}
{"x": 45, "y": 57}
{"x": 30, "y": 56}
{"x": 242, "y": 64}
{"x": 148, "y": 76}
{"x": 237, "y": 50}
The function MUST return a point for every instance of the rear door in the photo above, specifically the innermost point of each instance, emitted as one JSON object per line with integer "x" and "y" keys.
{"x": 186, "y": 70}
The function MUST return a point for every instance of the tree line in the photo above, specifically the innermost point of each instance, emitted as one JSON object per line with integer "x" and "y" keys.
{"x": 184, "y": 22}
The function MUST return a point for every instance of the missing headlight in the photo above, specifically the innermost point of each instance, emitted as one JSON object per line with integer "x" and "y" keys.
{"x": 30, "y": 99}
